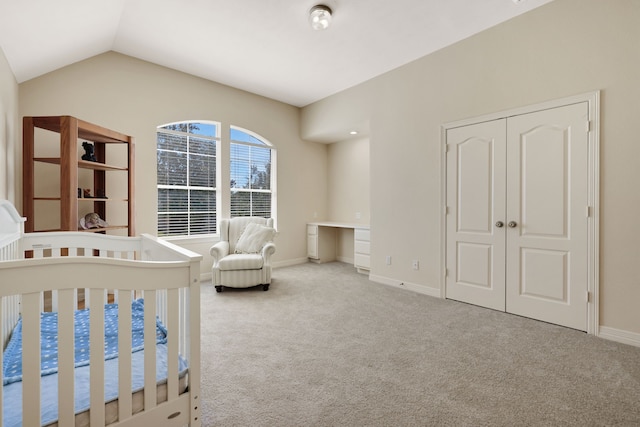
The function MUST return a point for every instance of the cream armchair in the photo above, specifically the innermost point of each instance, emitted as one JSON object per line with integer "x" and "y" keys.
{"x": 242, "y": 257}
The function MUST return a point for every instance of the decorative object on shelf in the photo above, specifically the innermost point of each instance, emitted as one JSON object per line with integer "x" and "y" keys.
{"x": 88, "y": 152}
{"x": 92, "y": 220}
{"x": 100, "y": 194}
{"x": 87, "y": 193}
{"x": 79, "y": 193}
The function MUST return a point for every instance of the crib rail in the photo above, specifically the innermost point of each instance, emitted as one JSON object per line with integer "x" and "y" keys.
{"x": 70, "y": 269}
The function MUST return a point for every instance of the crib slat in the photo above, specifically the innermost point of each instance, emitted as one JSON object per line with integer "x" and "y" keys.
{"x": 66, "y": 343}
{"x": 124, "y": 355}
{"x": 149, "y": 350}
{"x": 31, "y": 359}
{"x": 172, "y": 344}
{"x": 193, "y": 337}
{"x": 96, "y": 359}
{"x": 184, "y": 323}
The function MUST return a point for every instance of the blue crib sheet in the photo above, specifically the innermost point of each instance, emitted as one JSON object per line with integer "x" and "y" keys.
{"x": 12, "y": 393}
{"x": 12, "y": 362}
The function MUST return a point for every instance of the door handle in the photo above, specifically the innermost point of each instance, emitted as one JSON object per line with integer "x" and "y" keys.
{"x": 499, "y": 224}
{"x": 512, "y": 224}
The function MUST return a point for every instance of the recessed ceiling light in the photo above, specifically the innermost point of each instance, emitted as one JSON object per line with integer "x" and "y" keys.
{"x": 353, "y": 132}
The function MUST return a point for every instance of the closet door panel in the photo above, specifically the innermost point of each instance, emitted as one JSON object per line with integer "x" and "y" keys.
{"x": 546, "y": 254}
{"x": 476, "y": 202}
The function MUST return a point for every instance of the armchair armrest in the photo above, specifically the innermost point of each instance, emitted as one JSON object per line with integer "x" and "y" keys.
{"x": 219, "y": 250}
{"x": 268, "y": 250}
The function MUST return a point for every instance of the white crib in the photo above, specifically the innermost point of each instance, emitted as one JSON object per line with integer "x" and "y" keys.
{"x": 59, "y": 267}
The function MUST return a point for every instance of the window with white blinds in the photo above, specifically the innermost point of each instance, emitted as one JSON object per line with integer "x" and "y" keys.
{"x": 251, "y": 159}
{"x": 189, "y": 201}
{"x": 187, "y": 178}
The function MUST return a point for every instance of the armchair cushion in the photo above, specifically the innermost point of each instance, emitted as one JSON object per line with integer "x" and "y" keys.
{"x": 241, "y": 262}
{"x": 253, "y": 238}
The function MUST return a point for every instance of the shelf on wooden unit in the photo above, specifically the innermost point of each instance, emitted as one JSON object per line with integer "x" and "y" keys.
{"x": 97, "y": 230}
{"x": 83, "y": 164}
{"x": 84, "y": 199}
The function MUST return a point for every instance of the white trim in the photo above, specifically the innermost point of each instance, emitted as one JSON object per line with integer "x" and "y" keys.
{"x": 290, "y": 262}
{"x": 593, "y": 223}
{"x": 443, "y": 212}
{"x": 619, "y": 335}
{"x": 193, "y": 239}
{"x": 421, "y": 289}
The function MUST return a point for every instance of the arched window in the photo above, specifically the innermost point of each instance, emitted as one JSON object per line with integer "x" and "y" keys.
{"x": 251, "y": 180}
{"x": 190, "y": 199}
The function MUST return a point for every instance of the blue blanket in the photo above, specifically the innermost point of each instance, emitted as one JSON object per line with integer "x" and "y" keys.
{"x": 12, "y": 361}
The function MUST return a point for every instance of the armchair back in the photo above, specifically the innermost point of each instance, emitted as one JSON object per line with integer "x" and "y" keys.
{"x": 231, "y": 229}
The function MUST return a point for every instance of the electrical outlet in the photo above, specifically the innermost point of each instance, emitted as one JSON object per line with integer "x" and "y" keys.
{"x": 388, "y": 259}
{"x": 416, "y": 264}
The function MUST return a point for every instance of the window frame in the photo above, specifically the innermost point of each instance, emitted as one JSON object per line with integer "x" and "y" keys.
{"x": 264, "y": 144}
{"x": 188, "y": 187}
{"x": 222, "y": 187}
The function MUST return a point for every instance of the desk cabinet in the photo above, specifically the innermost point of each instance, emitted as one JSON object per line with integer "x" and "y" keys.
{"x": 362, "y": 248}
{"x": 322, "y": 240}
{"x": 321, "y": 243}
{"x": 312, "y": 241}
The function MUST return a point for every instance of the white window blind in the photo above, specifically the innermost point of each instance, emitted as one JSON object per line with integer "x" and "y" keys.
{"x": 251, "y": 186}
{"x": 187, "y": 178}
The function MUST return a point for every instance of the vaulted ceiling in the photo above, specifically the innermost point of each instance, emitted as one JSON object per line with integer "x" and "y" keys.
{"x": 262, "y": 46}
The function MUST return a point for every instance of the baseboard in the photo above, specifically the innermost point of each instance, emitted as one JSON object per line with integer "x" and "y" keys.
{"x": 432, "y": 292}
{"x": 290, "y": 262}
{"x": 619, "y": 335}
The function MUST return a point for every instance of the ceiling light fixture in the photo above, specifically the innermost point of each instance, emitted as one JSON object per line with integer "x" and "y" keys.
{"x": 320, "y": 17}
{"x": 353, "y": 132}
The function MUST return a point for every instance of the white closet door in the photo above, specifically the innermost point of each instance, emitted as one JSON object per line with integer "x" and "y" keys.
{"x": 547, "y": 199}
{"x": 476, "y": 202}
{"x": 517, "y": 197}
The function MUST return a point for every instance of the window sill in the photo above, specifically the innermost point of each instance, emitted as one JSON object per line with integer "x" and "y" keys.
{"x": 208, "y": 238}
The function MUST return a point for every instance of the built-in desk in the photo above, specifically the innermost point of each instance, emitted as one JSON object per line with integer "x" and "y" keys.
{"x": 322, "y": 241}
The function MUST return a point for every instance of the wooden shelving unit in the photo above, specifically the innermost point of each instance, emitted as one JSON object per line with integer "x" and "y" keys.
{"x": 73, "y": 132}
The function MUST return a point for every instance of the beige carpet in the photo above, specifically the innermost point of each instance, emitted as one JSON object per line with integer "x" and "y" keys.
{"x": 327, "y": 347}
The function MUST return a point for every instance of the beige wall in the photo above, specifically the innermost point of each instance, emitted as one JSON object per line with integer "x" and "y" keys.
{"x": 348, "y": 186}
{"x": 564, "y": 48}
{"x": 348, "y": 181}
{"x": 9, "y": 129}
{"x": 134, "y": 97}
